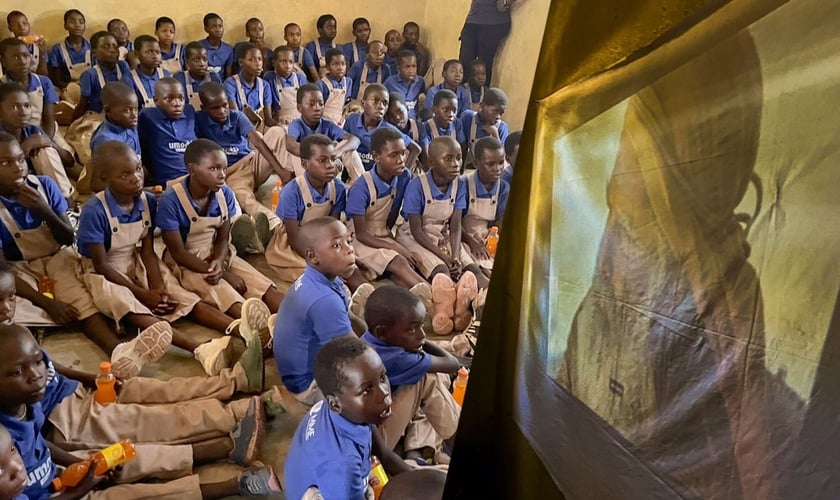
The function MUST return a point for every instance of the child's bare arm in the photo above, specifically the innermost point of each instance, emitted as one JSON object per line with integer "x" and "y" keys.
{"x": 61, "y": 457}
{"x": 455, "y": 233}
{"x": 442, "y": 361}
{"x": 262, "y": 148}
{"x": 48, "y": 119}
{"x": 220, "y": 245}
{"x": 80, "y": 108}
{"x": 151, "y": 262}
{"x": 292, "y": 145}
{"x": 173, "y": 242}
{"x": 269, "y": 116}
{"x": 313, "y": 74}
{"x": 99, "y": 257}
{"x": 292, "y": 228}
{"x": 391, "y": 462}
{"x": 87, "y": 379}
{"x": 414, "y": 151}
{"x": 348, "y": 143}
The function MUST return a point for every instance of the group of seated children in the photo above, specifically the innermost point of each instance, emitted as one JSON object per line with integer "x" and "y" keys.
{"x": 176, "y": 140}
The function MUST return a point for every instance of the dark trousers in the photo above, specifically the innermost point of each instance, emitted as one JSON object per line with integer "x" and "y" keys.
{"x": 481, "y": 41}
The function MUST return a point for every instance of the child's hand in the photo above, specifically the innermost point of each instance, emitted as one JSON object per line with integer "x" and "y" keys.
{"x": 33, "y": 143}
{"x": 479, "y": 250}
{"x": 215, "y": 269}
{"x": 42, "y": 45}
{"x": 87, "y": 484}
{"x": 236, "y": 282}
{"x": 493, "y": 130}
{"x": 453, "y": 265}
{"x": 31, "y": 199}
{"x": 62, "y": 313}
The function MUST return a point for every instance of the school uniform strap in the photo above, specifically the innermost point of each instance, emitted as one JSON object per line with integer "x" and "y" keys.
{"x": 355, "y": 51}
{"x": 374, "y": 195}
{"x": 177, "y": 55}
{"x": 427, "y": 189}
{"x": 66, "y": 55}
{"x": 139, "y": 84}
{"x": 243, "y": 100}
{"x": 306, "y": 193}
{"x": 101, "y": 76}
{"x": 415, "y": 130}
{"x": 473, "y": 127}
{"x": 318, "y": 50}
{"x": 472, "y": 179}
{"x": 115, "y": 222}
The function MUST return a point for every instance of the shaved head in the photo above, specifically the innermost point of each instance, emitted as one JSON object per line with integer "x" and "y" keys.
{"x": 314, "y": 231}
{"x": 441, "y": 145}
{"x": 117, "y": 92}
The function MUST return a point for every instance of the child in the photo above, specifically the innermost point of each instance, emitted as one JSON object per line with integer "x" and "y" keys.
{"x": 32, "y": 209}
{"x": 411, "y": 37}
{"x": 43, "y": 393}
{"x": 407, "y": 82}
{"x": 373, "y": 205}
{"x": 148, "y": 72}
{"x": 171, "y": 53}
{"x": 511, "y": 152}
{"x": 356, "y": 50}
{"x": 165, "y": 131}
{"x": 108, "y": 68}
{"x": 331, "y": 449}
{"x": 249, "y": 93}
{"x": 194, "y": 219}
{"x": 196, "y": 74}
{"x": 369, "y": 70}
{"x": 13, "y": 475}
{"x": 335, "y": 87}
{"x": 433, "y": 205}
{"x": 119, "y": 103}
{"x": 17, "y": 61}
{"x": 71, "y": 57}
{"x": 303, "y": 59}
{"x": 219, "y": 54}
{"x": 42, "y": 154}
{"x": 247, "y": 169}
{"x": 119, "y": 30}
{"x": 393, "y": 42}
{"x": 398, "y": 116}
{"x": 487, "y": 121}
{"x": 453, "y": 75}
{"x": 487, "y": 197}
{"x": 36, "y": 45}
{"x": 476, "y": 83}
{"x": 443, "y": 122}
{"x": 418, "y": 370}
{"x": 362, "y": 125}
{"x": 310, "y": 104}
{"x": 318, "y": 48}
{"x": 255, "y": 32}
{"x": 284, "y": 82}
{"x": 7, "y": 293}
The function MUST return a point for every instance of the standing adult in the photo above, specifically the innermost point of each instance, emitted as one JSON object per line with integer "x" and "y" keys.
{"x": 487, "y": 24}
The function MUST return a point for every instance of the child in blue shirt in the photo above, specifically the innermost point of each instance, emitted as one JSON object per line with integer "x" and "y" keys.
{"x": 476, "y": 83}
{"x": 148, "y": 72}
{"x": 284, "y": 81}
{"x": 171, "y": 53}
{"x": 219, "y": 54}
{"x": 453, "y": 75}
{"x": 433, "y": 205}
{"x": 369, "y": 70}
{"x": 443, "y": 122}
{"x": 16, "y": 61}
{"x": 487, "y": 121}
{"x": 293, "y": 36}
{"x": 511, "y": 152}
{"x": 255, "y": 31}
{"x": 407, "y": 81}
{"x": 356, "y": 50}
{"x": 196, "y": 74}
{"x": 393, "y": 42}
{"x": 249, "y": 93}
{"x": 19, "y": 26}
{"x": 375, "y": 101}
{"x": 122, "y": 35}
{"x": 70, "y": 57}
{"x": 411, "y": 42}
{"x": 120, "y": 106}
{"x": 419, "y": 371}
{"x": 165, "y": 132}
{"x": 108, "y": 68}
{"x": 13, "y": 475}
{"x": 335, "y": 87}
{"x": 318, "y": 48}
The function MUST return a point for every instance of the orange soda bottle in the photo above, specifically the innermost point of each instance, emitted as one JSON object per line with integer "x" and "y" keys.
{"x": 275, "y": 194}
{"x": 158, "y": 191}
{"x": 378, "y": 478}
{"x": 103, "y": 461}
{"x": 492, "y": 241}
{"x": 459, "y": 388}
{"x": 105, "y": 381}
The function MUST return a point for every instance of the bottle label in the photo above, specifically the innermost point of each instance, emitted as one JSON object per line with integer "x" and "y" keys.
{"x": 114, "y": 455}
{"x": 378, "y": 478}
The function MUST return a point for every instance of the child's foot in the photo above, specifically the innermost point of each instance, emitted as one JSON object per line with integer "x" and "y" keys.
{"x": 272, "y": 401}
{"x": 443, "y": 299}
{"x": 128, "y": 358}
{"x": 215, "y": 355}
{"x": 259, "y": 480}
{"x": 255, "y": 322}
{"x": 264, "y": 232}
{"x": 254, "y": 367}
{"x": 465, "y": 293}
{"x": 359, "y": 299}
{"x": 424, "y": 292}
{"x": 248, "y": 435}
{"x": 243, "y": 235}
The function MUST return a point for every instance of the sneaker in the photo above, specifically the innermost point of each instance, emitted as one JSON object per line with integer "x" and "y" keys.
{"x": 215, "y": 355}
{"x": 259, "y": 480}
{"x": 423, "y": 291}
{"x": 243, "y": 235}
{"x": 73, "y": 216}
{"x": 253, "y": 364}
{"x": 272, "y": 401}
{"x": 263, "y": 228}
{"x": 248, "y": 435}
{"x": 255, "y": 322}
{"x": 465, "y": 293}
{"x": 443, "y": 304}
{"x": 359, "y": 299}
{"x": 128, "y": 358}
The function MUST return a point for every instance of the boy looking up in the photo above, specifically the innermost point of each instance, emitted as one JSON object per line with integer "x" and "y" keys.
{"x": 356, "y": 50}
{"x": 196, "y": 74}
{"x": 122, "y": 35}
{"x": 165, "y": 132}
{"x": 148, "y": 72}
{"x": 407, "y": 82}
{"x": 219, "y": 54}
{"x": 318, "y": 48}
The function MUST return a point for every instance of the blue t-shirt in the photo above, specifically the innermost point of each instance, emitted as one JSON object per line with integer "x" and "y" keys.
{"x": 466, "y": 125}
{"x": 345, "y": 84}
{"x": 291, "y": 205}
{"x": 92, "y": 90}
{"x": 347, "y": 48}
{"x": 218, "y": 57}
{"x": 25, "y": 218}
{"x": 313, "y": 312}
{"x": 402, "y": 367}
{"x": 426, "y": 136}
{"x": 310, "y": 47}
{"x": 331, "y": 453}
{"x": 483, "y": 193}
{"x": 307, "y": 58}
{"x": 358, "y": 196}
{"x": 147, "y": 81}
{"x": 56, "y": 57}
{"x": 299, "y": 130}
{"x": 109, "y": 131}
{"x": 411, "y": 91}
{"x": 252, "y": 93}
{"x": 355, "y": 75}
{"x": 164, "y": 141}
{"x": 414, "y": 202}
{"x": 273, "y": 80}
{"x": 39, "y": 81}
{"x": 171, "y": 216}
{"x": 462, "y": 93}
{"x": 391, "y": 62}
{"x": 354, "y": 124}
{"x": 26, "y": 434}
{"x": 232, "y": 135}
{"x": 95, "y": 227}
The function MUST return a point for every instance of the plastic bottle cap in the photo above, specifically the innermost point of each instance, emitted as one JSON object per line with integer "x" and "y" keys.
{"x": 463, "y": 373}
{"x": 105, "y": 367}
{"x": 278, "y": 182}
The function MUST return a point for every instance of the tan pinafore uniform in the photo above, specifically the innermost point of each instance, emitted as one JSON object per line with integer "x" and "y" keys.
{"x": 299, "y": 57}
{"x": 192, "y": 95}
{"x": 200, "y": 241}
{"x": 288, "y": 101}
{"x": 148, "y": 100}
{"x": 436, "y": 217}
{"x": 115, "y": 301}
{"x": 363, "y": 83}
{"x": 81, "y": 130}
{"x": 280, "y": 256}
{"x": 173, "y": 65}
{"x": 334, "y": 106}
{"x": 43, "y": 256}
{"x": 322, "y": 60}
{"x": 376, "y": 223}
{"x": 481, "y": 214}
{"x": 433, "y": 129}
{"x": 72, "y": 93}
{"x": 256, "y": 116}
{"x": 36, "y": 98}
{"x": 475, "y": 106}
